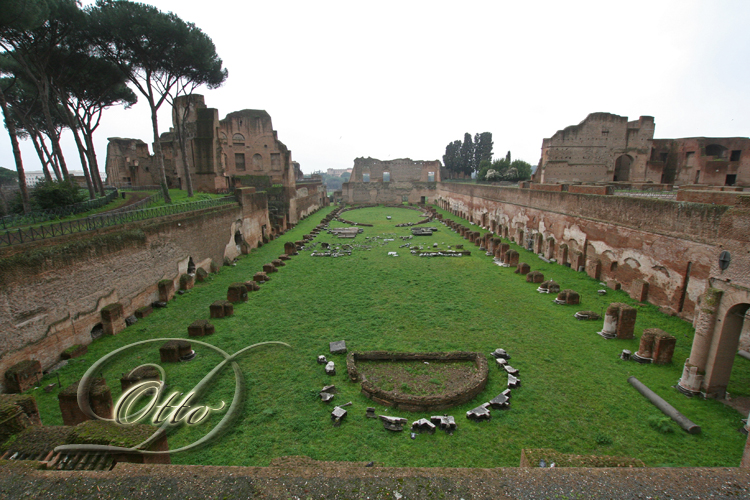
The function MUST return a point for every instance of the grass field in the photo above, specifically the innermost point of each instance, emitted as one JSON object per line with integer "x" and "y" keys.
{"x": 574, "y": 395}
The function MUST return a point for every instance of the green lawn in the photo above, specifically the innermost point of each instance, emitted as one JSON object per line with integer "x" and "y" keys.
{"x": 574, "y": 396}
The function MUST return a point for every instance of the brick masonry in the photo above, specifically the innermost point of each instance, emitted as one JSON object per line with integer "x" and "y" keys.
{"x": 119, "y": 265}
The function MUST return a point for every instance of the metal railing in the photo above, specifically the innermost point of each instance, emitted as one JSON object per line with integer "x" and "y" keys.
{"x": 646, "y": 193}
{"x": 38, "y": 217}
{"x": 19, "y": 236}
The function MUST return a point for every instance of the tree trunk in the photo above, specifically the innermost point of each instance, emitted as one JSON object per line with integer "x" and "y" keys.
{"x": 16, "y": 153}
{"x": 182, "y": 139}
{"x": 93, "y": 163}
{"x": 42, "y": 158}
{"x": 51, "y": 158}
{"x": 158, "y": 154}
{"x": 51, "y": 130}
{"x": 81, "y": 150}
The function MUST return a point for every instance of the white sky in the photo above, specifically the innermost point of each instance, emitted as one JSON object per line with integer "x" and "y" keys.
{"x": 403, "y": 79}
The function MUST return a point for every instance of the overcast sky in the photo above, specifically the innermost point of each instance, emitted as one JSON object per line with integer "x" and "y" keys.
{"x": 403, "y": 79}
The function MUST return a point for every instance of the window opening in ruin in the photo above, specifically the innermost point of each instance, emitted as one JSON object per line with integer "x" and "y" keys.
{"x": 239, "y": 161}
{"x": 716, "y": 150}
{"x": 663, "y": 157}
{"x": 423, "y": 200}
{"x": 97, "y": 331}
{"x": 622, "y": 168}
{"x": 238, "y": 237}
{"x": 386, "y": 177}
{"x": 365, "y": 177}
{"x": 613, "y": 267}
{"x": 405, "y": 199}
{"x": 430, "y": 176}
{"x": 690, "y": 158}
{"x": 191, "y": 266}
{"x": 731, "y": 179}
{"x": 735, "y": 156}
{"x": 257, "y": 162}
{"x": 697, "y": 176}
{"x": 236, "y": 138}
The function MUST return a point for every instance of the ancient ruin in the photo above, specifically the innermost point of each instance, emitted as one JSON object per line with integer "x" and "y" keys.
{"x": 394, "y": 181}
{"x": 608, "y": 148}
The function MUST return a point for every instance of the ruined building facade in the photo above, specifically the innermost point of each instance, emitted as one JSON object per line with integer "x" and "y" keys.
{"x": 243, "y": 149}
{"x": 609, "y": 148}
{"x": 394, "y": 181}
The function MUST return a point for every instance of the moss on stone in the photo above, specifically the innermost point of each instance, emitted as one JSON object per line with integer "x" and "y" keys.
{"x": 35, "y": 261}
{"x": 712, "y": 297}
{"x": 98, "y": 387}
{"x": 28, "y": 365}
{"x": 105, "y": 433}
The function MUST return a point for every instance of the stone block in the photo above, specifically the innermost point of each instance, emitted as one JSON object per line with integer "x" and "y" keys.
{"x": 252, "y": 286}
{"x": 22, "y": 376}
{"x": 501, "y": 250}
{"x": 664, "y": 345}
{"x": 269, "y": 268}
{"x": 113, "y": 321}
{"x": 174, "y": 351}
{"x": 260, "y": 277}
{"x": 100, "y": 400}
{"x": 534, "y": 277}
{"x": 619, "y": 321}
{"x": 237, "y": 292}
{"x": 75, "y": 351}
{"x": 201, "y": 275}
{"x": 337, "y": 347}
{"x": 201, "y": 328}
{"x": 522, "y": 268}
{"x": 550, "y": 286}
{"x": 479, "y": 413}
{"x": 511, "y": 258}
{"x": 568, "y": 297}
{"x": 395, "y": 424}
{"x": 143, "y": 312}
{"x": 278, "y": 263}
{"x": 186, "y": 282}
{"x": 639, "y": 290}
{"x": 284, "y": 257}
{"x": 221, "y": 309}
{"x": 142, "y": 374}
{"x": 166, "y": 290}
{"x": 613, "y": 284}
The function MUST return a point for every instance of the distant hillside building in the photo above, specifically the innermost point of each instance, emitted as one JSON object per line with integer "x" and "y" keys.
{"x": 394, "y": 181}
{"x": 609, "y": 148}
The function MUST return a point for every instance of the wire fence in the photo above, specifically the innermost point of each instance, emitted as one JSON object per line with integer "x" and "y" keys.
{"x": 37, "y": 217}
{"x": 16, "y": 237}
{"x": 647, "y": 193}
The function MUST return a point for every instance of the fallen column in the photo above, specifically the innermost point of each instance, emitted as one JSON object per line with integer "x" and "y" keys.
{"x": 665, "y": 407}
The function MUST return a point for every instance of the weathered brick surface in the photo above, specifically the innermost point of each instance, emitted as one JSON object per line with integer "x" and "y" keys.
{"x": 124, "y": 264}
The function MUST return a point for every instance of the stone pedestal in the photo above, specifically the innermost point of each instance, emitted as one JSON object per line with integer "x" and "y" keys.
{"x": 664, "y": 345}
{"x": 511, "y": 258}
{"x": 113, "y": 321}
{"x": 174, "y": 350}
{"x": 166, "y": 290}
{"x": 143, "y": 312}
{"x": 260, "y": 277}
{"x": 568, "y": 297}
{"x": 143, "y": 374}
{"x": 201, "y": 328}
{"x": 522, "y": 268}
{"x": 237, "y": 292}
{"x": 23, "y": 376}
{"x": 619, "y": 321}
{"x": 278, "y": 263}
{"x": 594, "y": 269}
{"x": 269, "y": 268}
{"x": 100, "y": 400}
{"x": 534, "y": 277}
{"x": 221, "y": 309}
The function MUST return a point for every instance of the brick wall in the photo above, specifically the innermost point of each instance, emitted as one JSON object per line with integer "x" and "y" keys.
{"x": 635, "y": 240}
{"x": 52, "y": 291}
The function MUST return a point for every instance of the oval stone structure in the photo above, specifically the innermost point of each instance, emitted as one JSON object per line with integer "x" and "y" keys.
{"x": 475, "y": 381}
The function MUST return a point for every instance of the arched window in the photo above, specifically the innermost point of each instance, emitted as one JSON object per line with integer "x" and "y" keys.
{"x": 716, "y": 150}
{"x": 238, "y": 138}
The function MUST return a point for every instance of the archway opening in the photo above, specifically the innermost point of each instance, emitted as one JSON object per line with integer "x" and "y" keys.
{"x": 622, "y": 168}
{"x": 191, "y": 266}
{"x": 719, "y": 369}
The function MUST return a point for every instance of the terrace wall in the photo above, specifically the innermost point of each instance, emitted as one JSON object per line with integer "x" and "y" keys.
{"x": 52, "y": 291}
{"x": 672, "y": 246}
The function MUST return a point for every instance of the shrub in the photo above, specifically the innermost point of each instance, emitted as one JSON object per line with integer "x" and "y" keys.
{"x": 48, "y": 195}
{"x": 661, "y": 424}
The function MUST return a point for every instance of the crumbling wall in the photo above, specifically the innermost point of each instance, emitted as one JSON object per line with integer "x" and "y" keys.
{"x": 672, "y": 246}
{"x": 52, "y": 292}
{"x": 394, "y": 181}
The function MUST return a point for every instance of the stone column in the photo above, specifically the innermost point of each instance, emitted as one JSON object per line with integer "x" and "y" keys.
{"x": 705, "y": 322}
